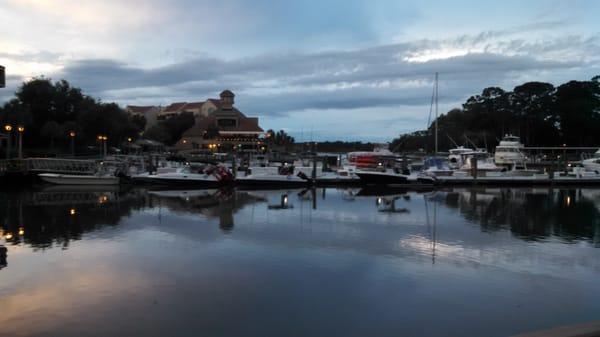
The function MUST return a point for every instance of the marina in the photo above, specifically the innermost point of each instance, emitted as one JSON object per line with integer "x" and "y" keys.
{"x": 305, "y": 169}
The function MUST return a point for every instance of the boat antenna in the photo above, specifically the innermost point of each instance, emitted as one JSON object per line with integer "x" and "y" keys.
{"x": 470, "y": 141}
{"x": 452, "y": 140}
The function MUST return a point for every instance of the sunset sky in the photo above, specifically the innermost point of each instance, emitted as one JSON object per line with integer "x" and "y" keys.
{"x": 347, "y": 70}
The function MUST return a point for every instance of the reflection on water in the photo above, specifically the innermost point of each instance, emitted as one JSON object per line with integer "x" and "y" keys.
{"x": 350, "y": 262}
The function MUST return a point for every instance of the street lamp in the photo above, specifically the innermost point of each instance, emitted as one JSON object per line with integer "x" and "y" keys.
{"x": 21, "y": 129}
{"x": 105, "y": 138}
{"x": 8, "y": 129}
{"x": 101, "y": 140}
{"x": 72, "y": 135}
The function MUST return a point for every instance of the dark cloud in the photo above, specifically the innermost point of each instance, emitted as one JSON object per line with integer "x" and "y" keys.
{"x": 382, "y": 77}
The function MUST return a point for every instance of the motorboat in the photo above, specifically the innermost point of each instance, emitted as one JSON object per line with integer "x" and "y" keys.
{"x": 197, "y": 176}
{"x": 285, "y": 175}
{"x": 509, "y": 151}
{"x": 592, "y": 164}
{"x": 73, "y": 179}
{"x": 480, "y": 161}
{"x": 382, "y": 176}
{"x": 436, "y": 166}
{"x": 455, "y": 158}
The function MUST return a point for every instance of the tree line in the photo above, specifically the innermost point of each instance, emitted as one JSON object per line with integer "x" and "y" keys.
{"x": 540, "y": 113}
{"x": 50, "y": 112}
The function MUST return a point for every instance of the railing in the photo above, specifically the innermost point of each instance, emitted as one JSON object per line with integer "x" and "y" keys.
{"x": 48, "y": 165}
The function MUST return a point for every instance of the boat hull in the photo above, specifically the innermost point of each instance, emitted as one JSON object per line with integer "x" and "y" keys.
{"x": 382, "y": 178}
{"x": 183, "y": 180}
{"x": 66, "y": 179}
{"x": 272, "y": 181}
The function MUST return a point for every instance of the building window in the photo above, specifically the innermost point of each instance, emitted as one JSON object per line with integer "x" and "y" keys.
{"x": 227, "y": 122}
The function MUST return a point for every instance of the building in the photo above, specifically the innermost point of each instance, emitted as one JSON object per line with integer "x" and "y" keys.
{"x": 197, "y": 108}
{"x": 150, "y": 113}
{"x": 221, "y": 127}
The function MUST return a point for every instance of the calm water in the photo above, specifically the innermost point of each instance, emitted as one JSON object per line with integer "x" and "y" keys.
{"x": 330, "y": 262}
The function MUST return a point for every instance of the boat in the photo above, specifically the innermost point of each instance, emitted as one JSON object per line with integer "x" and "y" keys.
{"x": 455, "y": 158}
{"x": 509, "y": 151}
{"x": 481, "y": 161}
{"x": 278, "y": 176}
{"x": 190, "y": 176}
{"x": 436, "y": 167}
{"x": 382, "y": 177}
{"x": 592, "y": 164}
{"x": 73, "y": 179}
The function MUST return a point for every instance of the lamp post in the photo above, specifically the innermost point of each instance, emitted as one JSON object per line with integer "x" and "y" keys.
{"x": 72, "y": 135}
{"x": 21, "y": 129}
{"x": 8, "y": 129}
{"x": 101, "y": 140}
{"x": 129, "y": 140}
{"x": 105, "y": 138}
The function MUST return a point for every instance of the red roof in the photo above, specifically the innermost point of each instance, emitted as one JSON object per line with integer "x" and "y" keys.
{"x": 174, "y": 107}
{"x": 216, "y": 102}
{"x": 193, "y": 105}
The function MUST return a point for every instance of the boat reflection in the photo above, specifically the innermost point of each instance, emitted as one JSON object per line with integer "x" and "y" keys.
{"x": 219, "y": 203}
{"x": 530, "y": 213}
{"x": 58, "y": 215}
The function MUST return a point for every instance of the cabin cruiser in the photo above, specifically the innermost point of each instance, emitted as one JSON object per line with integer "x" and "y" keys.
{"x": 455, "y": 158}
{"x": 479, "y": 160}
{"x": 592, "y": 164}
{"x": 436, "y": 167}
{"x": 209, "y": 175}
{"x": 509, "y": 151}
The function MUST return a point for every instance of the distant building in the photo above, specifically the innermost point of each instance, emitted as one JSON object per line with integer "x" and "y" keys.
{"x": 220, "y": 127}
{"x": 148, "y": 112}
{"x": 197, "y": 108}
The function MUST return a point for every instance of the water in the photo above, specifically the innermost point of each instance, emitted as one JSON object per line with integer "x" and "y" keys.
{"x": 329, "y": 262}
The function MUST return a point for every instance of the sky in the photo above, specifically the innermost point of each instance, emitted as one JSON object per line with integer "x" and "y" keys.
{"x": 319, "y": 69}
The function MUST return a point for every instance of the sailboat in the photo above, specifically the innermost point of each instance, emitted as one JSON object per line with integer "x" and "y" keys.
{"x": 435, "y": 166}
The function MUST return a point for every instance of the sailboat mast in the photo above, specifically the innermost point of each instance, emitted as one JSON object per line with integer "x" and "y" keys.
{"x": 436, "y": 113}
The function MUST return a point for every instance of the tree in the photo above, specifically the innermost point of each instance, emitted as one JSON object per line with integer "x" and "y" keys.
{"x": 50, "y": 131}
{"x": 538, "y": 112}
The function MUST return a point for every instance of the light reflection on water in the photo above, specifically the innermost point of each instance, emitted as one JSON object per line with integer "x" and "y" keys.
{"x": 318, "y": 262}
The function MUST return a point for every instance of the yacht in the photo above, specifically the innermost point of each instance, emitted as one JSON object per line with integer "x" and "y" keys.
{"x": 509, "y": 151}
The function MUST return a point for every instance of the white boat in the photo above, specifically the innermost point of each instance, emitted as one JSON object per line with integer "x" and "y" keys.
{"x": 455, "y": 158}
{"x": 209, "y": 176}
{"x": 275, "y": 176}
{"x": 509, "y": 151}
{"x": 485, "y": 164}
{"x": 382, "y": 177}
{"x": 436, "y": 167}
{"x": 72, "y": 179}
{"x": 592, "y": 164}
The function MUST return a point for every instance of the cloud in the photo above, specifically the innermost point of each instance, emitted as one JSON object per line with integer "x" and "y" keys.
{"x": 285, "y": 59}
{"x": 369, "y": 77}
